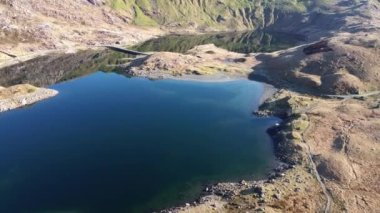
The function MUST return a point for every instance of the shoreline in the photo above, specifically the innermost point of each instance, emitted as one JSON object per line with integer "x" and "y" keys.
{"x": 221, "y": 193}
{"x": 213, "y": 194}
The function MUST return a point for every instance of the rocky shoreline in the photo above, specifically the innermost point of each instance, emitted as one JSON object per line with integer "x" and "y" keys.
{"x": 291, "y": 177}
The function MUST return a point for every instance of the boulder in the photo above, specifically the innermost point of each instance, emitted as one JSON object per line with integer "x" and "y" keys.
{"x": 319, "y": 47}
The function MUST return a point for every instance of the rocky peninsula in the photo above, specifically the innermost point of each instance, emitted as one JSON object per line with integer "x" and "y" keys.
{"x": 22, "y": 95}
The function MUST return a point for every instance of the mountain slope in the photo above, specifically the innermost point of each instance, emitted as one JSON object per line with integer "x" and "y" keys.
{"x": 203, "y": 14}
{"x": 34, "y": 25}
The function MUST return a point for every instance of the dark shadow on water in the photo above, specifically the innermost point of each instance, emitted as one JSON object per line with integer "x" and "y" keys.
{"x": 54, "y": 68}
{"x": 50, "y": 69}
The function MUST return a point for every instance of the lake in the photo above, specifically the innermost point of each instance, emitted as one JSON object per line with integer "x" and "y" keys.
{"x": 108, "y": 143}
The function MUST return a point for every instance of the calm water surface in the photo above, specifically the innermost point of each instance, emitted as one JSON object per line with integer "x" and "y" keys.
{"x": 242, "y": 42}
{"x": 108, "y": 143}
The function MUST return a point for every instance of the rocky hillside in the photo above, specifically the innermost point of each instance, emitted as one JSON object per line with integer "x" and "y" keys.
{"x": 204, "y": 14}
{"x": 345, "y": 61}
{"x": 35, "y": 25}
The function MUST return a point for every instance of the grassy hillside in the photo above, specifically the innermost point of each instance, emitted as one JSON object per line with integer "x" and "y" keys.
{"x": 200, "y": 14}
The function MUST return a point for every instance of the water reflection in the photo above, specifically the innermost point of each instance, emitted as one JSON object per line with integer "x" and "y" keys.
{"x": 243, "y": 42}
{"x": 53, "y": 68}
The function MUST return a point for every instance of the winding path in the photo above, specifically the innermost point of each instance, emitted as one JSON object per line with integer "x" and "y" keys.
{"x": 319, "y": 179}
{"x": 354, "y": 95}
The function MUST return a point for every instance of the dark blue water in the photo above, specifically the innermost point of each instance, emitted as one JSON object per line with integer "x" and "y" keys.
{"x": 108, "y": 143}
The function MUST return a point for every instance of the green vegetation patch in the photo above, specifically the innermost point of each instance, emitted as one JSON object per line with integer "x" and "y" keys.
{"x": 209, "y": 13}
{"x": 142, "y": 19}
{"x": 118, "y": 4}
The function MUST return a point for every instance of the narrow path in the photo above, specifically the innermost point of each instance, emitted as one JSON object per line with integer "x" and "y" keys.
{"x": 319, "y": 179}
{"x": 354, "y": 95}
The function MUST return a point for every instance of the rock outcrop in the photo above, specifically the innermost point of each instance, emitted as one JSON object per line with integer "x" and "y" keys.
{"x": 201, "y": 60}
{"x": 22, "y": 95}
{"x": 341, "y": 65}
